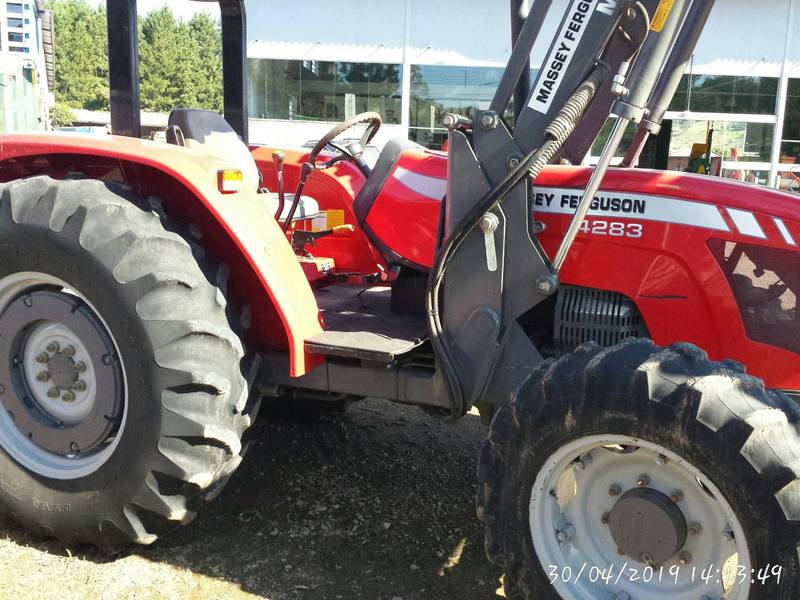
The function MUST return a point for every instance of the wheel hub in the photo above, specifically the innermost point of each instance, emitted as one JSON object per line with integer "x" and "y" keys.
{"x": 62, "y": 372}
{"x": 66, "y": 392}
{"x": 647, "y": 526}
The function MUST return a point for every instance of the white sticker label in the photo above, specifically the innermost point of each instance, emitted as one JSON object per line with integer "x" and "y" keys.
{"x": 632, "y": 206}
{"x": 561, "y": 55}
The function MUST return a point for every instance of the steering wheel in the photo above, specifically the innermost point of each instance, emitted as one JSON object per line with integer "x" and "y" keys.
{"x": 374, "y": 122}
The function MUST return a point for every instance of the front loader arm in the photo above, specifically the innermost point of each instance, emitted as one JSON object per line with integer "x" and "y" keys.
{"x": 491, "y": 269}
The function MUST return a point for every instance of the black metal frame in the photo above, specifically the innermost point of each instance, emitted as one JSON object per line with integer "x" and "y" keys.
{"x": 123, "y": 66}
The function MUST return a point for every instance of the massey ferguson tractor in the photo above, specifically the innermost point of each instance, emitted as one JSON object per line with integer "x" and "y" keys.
{"x": 633, "y": 335}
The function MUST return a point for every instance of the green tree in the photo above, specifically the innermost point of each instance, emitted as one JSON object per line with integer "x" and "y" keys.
{"x": 81, "y": 54}
{"x": 206, "y": 37}
{"x": 180, "y": 63}
{"x": 61, "y": 115}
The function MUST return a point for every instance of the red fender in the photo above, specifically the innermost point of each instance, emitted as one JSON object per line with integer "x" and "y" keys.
{"x": 260, "y": 245}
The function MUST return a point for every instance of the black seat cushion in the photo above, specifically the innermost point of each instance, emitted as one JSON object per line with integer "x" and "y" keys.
{"x": 197, "y": 124}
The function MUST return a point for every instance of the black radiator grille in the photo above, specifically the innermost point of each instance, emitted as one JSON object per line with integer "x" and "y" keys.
{"x": 584, "y": 315}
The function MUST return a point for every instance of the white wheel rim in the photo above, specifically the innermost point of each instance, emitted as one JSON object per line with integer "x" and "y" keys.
{"x": 570, "y": 497}
{"x": 12, "y": 440}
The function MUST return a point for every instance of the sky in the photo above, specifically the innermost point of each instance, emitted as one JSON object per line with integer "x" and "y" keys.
{"x": 183, "y": 9}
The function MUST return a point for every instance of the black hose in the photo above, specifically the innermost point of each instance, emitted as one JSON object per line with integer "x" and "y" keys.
{"x": 557, "y": 133}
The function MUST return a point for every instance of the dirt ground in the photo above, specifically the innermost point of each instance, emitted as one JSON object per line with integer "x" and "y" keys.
{"x": 376, "y": 503}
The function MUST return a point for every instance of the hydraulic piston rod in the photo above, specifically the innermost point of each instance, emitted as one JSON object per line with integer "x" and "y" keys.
{"x": 591, "y": 190}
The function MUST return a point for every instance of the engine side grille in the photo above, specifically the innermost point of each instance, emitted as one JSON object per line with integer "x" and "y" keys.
{"x": 585, "y": 314}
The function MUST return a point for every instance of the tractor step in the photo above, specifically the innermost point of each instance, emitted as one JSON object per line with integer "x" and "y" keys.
{"x": 359, "y": 324}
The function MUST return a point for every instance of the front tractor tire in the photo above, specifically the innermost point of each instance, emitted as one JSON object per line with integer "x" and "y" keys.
{"x": 121, "y": 395}
{"x": 643, "y": 472}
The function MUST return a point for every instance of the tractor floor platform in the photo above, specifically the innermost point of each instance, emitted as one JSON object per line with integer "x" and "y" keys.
{"x": 359, "y": 324}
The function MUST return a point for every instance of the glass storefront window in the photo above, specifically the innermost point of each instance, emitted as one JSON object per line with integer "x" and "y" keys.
{"x": 790, "y": 144}
{"x": 746, "y": 142}
{"x": 726, "y": 94}
{"x": 323, "y": 91}
{"x": 437, "y": 90}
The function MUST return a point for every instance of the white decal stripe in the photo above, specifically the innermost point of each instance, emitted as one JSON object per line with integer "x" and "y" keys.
{"x": 656, "y": 208}
{"x": 432, "y": 187}
{"x": 746, "y": 223}
{"x": 787, "y": 235}
{"x": 562, "y": 53}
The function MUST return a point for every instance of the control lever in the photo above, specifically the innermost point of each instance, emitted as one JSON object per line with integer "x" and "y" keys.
{"x": 489, "y": 224}
{"x": 277, "y": 160}
{"x": 356, "y": 150}
{"x": 305, "y": 171}
{"x": 300, "y": 238}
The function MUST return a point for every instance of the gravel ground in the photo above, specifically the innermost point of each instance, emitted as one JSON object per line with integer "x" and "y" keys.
{"x": 375, "y": 503}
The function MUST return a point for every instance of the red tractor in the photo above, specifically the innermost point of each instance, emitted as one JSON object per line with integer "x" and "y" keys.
{"x": 151, "y": 294}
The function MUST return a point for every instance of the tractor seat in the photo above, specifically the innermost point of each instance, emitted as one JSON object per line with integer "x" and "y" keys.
{"x": 407, "y": 244}
{"x": 209, "y": 131}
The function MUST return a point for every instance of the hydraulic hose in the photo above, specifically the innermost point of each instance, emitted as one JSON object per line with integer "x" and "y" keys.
{"x": 531, "y": 166}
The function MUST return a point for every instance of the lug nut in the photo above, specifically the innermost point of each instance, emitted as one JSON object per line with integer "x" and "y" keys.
{"x": 643, "y": 480}
{"x": 605, "y": 518}
{"x": 614, "y": 490}
{"x": 695, "y": 529}
{"x": 684, "y": 558}
{"x": 727, "y": 535}
{"x": 79, "y": 386}
{"x": 565, "y": 534}
{"x": 43, "y": 358}
{"x": 677, "y": 496}
{"x": 68, "y": 351}
{"x": 53, "y": 392}
{"x": 68, "y": 397}
{"x": 53, "y": 347}
{"x": 43, "y": 376}
{"x": 80, "y": 367}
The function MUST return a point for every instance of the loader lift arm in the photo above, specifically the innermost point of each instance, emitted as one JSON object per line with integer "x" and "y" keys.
{"x": 613, "y": 57}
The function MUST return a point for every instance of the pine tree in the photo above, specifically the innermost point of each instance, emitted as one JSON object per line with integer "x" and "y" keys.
{"x": 81, "y": 55}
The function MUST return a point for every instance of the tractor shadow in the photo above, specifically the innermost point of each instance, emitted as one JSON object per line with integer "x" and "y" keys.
{"x": 377, "y": 502}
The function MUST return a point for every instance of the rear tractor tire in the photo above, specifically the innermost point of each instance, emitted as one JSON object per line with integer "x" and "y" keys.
{"x": 641, "y": 472}
{"x": 121, "y": 395}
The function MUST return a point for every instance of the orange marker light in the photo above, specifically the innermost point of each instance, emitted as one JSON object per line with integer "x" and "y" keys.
{"x": 230, "y": 181}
